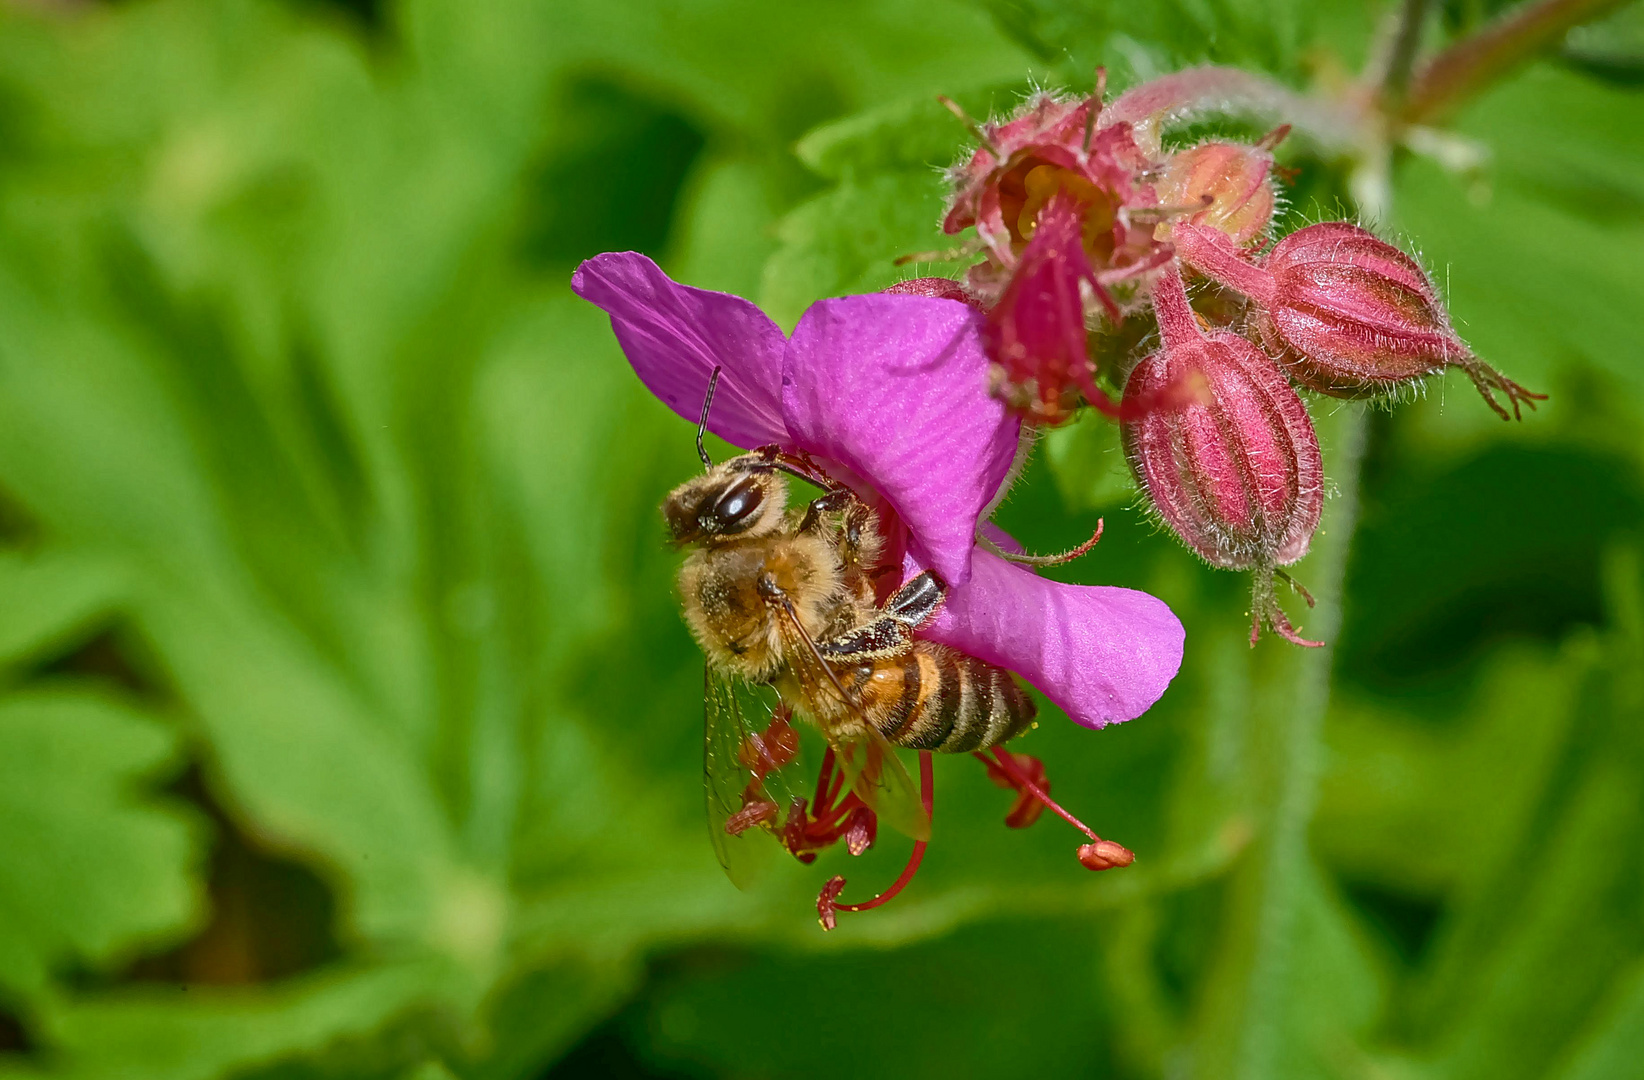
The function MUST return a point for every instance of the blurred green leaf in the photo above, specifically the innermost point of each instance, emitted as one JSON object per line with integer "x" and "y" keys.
{"x": 92, "y": 868}
{"x": 50, "y": 596}
{"x": 1541, "y": 256}
{"x": 176, "y": 1036}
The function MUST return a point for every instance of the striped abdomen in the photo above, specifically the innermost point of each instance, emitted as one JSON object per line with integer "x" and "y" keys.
{"x": 936, "y": 698}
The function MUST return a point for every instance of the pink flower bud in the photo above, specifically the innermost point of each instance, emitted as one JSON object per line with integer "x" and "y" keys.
{"x": 1346, "y": 313}
{"x": 1236, "y": 474}
{"x": 1232, "y": 181}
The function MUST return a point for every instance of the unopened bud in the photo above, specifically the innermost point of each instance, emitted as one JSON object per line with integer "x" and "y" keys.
{"x": 1236, "y": 474}
{"x": 1231, "y": 181}
{"x": 1346, "y": 313}
{"x": 1105, "y": 855}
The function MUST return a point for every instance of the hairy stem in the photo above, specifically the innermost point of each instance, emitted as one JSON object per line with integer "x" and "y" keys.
{"x": 1154, "y": 105}
{"x": 1460, "y": 72}
{"x": 1291, "y": 701}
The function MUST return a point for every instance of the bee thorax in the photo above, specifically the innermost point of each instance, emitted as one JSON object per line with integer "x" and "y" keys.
{"x": 733, "y": 594}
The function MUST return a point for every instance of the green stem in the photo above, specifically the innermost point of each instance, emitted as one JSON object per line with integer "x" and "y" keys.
{"x": 1460, "y": 72}
{"x": 1401, "y": 56}
{"x": 1290, "y": 709}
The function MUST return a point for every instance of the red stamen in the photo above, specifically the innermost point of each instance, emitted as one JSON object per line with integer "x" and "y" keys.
{"x": 1026, "y": 809}
{"x": 762, "y": 753}
{"x": 1099, "y": 854}
{"x": 836, "y": 814}
{"x": 825, "y": 791}
{"x": 757, "y": 812}
{"x": 1008, "y": 764}
{"x": 825, "y": 905}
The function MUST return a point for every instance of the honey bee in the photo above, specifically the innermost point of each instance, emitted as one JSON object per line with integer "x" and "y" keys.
{"x": 785, "y": 599}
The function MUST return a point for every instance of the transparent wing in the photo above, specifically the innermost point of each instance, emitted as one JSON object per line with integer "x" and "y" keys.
{"x": 879, "y": 779}
{"x": 869, "y": 762}
{"x": 733, "y": 790}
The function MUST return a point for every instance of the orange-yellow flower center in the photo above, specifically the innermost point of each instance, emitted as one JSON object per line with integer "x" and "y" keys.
{"x": 1024, "y": 191}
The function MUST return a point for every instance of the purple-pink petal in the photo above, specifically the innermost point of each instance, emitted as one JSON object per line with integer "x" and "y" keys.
{"x": 1103, "y": 654}
{"x": 674, "y": 336}
{"x": 895, "y": 388}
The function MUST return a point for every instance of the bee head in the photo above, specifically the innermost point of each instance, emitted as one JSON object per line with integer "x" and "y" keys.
{"x": 739, "y": 498}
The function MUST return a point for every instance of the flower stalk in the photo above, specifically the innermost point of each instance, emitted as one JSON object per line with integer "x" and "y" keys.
{"x": 1472, "y": 65}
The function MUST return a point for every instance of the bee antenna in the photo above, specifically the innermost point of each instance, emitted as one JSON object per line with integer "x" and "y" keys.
{"x": 702, "y": 424}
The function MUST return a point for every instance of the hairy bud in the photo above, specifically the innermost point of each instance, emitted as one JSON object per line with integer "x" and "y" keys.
{"x": 1236, "y": 474}
{"x": 1346, "y": 313}
{"x": 1232, "y": 183}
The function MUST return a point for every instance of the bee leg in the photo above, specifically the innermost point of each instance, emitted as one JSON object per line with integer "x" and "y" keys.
{"x": 794, "y": 463}
{"x": 856, "y": 539}
{"x": 831, "y": 502}
{"x": 917, "y": 601}
{"x": 891, "y": 633}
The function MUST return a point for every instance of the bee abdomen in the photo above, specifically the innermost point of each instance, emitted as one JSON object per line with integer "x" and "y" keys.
{"x": 953, "y": 703}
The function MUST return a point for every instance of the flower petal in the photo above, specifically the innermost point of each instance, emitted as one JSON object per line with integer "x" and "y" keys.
{"x": 675, "y": 335}
{"x": 895, "y": 389}
{"x": 1103, "y": 654}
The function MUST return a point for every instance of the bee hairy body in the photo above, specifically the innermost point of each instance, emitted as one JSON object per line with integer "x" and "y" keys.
{"x": 755, "y": 570}
{"x": 736, "y": 625}
{"x": 932, "y": 697}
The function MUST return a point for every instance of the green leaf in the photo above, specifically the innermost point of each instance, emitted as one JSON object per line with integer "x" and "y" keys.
{"x": 51, "y": 596}
{"x": 92, "y": 867}
{"x": 1089, "y": 464}
{"x": 1614, "y": 1044}
{"x": 175, "y": 1035}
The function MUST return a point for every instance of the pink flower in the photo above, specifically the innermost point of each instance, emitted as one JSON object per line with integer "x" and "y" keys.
{"x": 1053, "y": 146}
{"x": 1036, "y": 333}
{"x": 888, "y": 393}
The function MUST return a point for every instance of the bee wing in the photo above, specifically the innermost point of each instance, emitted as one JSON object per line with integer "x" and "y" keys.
{"x": 870, "y": 764}
{"x": 879, "y": 779}
{"x": 726, "y": 778}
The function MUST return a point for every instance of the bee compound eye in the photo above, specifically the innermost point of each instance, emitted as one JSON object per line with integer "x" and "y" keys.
{"x": 736, "y": 507}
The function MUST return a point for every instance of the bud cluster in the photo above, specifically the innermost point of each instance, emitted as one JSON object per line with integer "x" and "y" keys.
{"x": 1084, "y": 222}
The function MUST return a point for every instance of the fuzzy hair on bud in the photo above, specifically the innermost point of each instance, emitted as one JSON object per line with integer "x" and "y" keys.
{"x": 939, "y": 287}
{"x": 1347, "y": 314}
{"x": 1231, "y": 182}
{"x": 1236, "y": 474}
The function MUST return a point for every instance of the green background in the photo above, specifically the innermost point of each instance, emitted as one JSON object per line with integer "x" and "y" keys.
{"x": 348, "y": 728}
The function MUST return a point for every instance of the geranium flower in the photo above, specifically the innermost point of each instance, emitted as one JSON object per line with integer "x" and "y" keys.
{"x": 1068, "y": 215}
{"x": 889, "y": 393}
